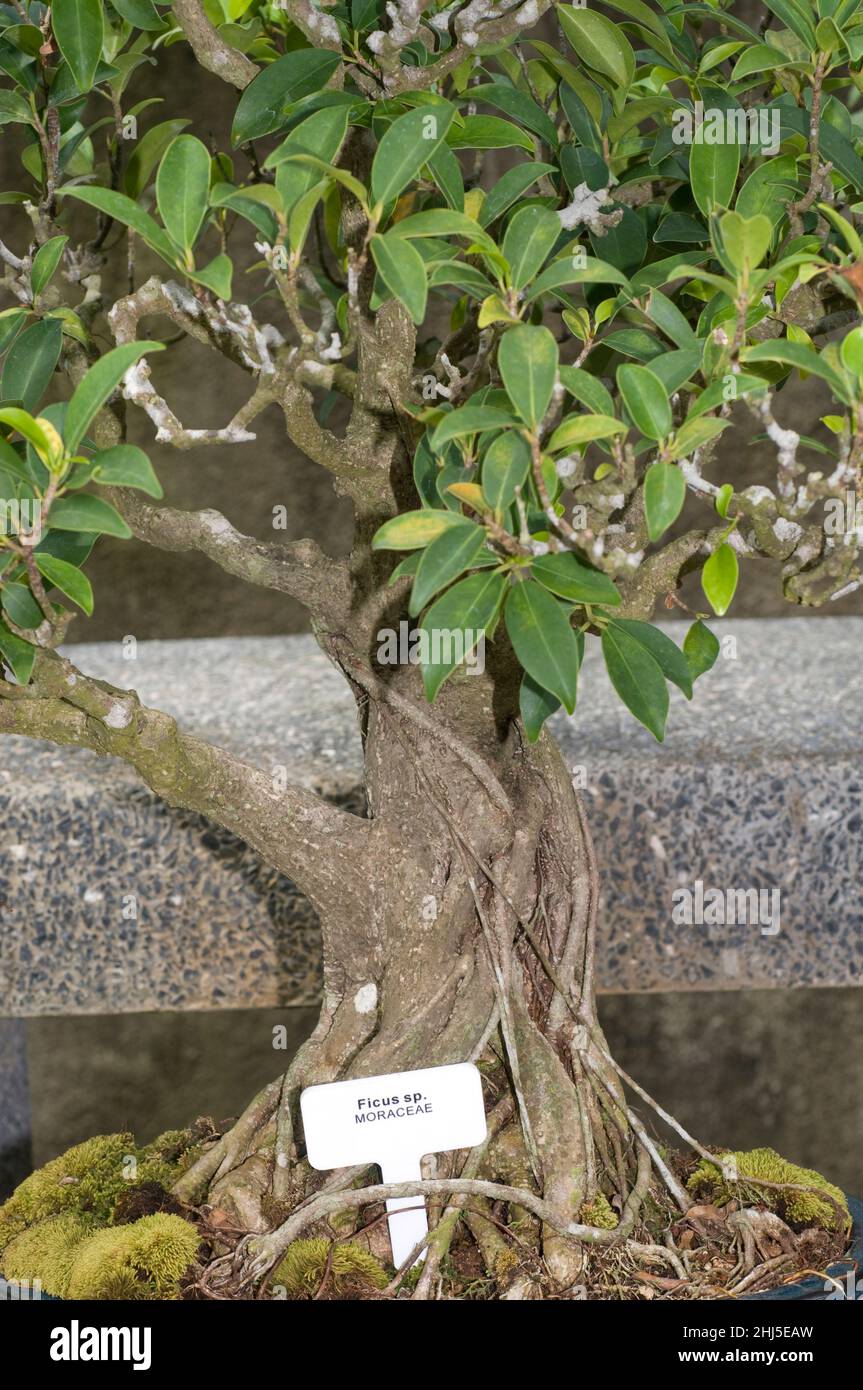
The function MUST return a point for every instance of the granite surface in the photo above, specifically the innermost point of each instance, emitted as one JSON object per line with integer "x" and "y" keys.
{"x": 109, "y": 901}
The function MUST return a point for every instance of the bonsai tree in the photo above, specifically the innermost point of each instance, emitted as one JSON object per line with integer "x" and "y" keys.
{"x": 517, "y": 270}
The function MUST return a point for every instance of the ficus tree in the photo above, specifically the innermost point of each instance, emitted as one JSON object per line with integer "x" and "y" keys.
{"x": 517, "y": 268}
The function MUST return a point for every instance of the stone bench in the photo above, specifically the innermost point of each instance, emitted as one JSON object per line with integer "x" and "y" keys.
{"x": 758, "y": 786}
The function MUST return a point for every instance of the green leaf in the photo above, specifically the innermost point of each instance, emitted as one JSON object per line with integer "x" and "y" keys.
{"x": 646, "y": 400}
{"x": 489, "y": 133}
{"x": 667, "y": 655}
{"x": 413, "y": 530}
{"x": 759, "y": 57}
{"x": 141, "y": 13}
{"x": 522, "y": 109}
{"x": 796, "y": 17}
{"x": 406, "y": 146}
{"x": 664, "y": 495}
{"x": 459, "y": 618}
{"x": 442, "y": 222}
{"x": 851, "y": 352}
{"x": 505, "y": 466}
{"x": 68, "y": 579}
{"x": 147, "y": 153}
{"x": 599, "y": 43}
{"x": 45, "y": 262}
{"x": 564, "y": 574}
{"x": 587, "y": 390}
{"x": 446, "y": 172}
{"x": 536, "y": 705}
{"x": 719, "y": 578}
{"x": 18, "y": 655}
{"x": 288, "y": 79}
{"x": 543, "y": 640}
{"x": 801, "y": 356}
{"x": 444, "y": 560}
{"x": 527, "y": 360}
{"x": 125, "y": 465}
{"x": 529, "y": 238}
{"x": 695, "y": 431}
{"x": 78, "y": 29}
{"x": 125, "y": 210}
{"x": 320, "y": 135}
{"x": 509, "y": 187}
{"x": 568, "y": 271}
{"x": 713, "y": 173}
{"x": 31, "y": 361}
{"x": 701, "y": 648}
{"x": 402, "y": 269}
{"x": 217, "y": 276}
{"x": 745, "y": 240}
{"x": 466, "y": 420}
{"x": 637, "y": 678}
{"x": 182, "y": 186}
{"x": 14, "y": 109}
{"x": 581, "y": 429}
{"x": 85, "y": 513}
{"x": 93, "y": 390}
{"x": 20, "y": 605}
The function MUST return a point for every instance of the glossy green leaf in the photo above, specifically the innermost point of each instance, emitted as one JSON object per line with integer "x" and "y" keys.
{"x": 125, "y": 465}
{"x": 78, "y": 29}
{"x": 85, "y": 513}
{"x": 719, "y": 578}
{"x": 403, "y": 271}
{"x": 295, "y": 75}
{"x": 505, "y": 466}
{"x": 101, "y": 380}
{"x": 444, "y": 560}
{"x": 598, "y": 42}
{"x": 17, "y": 654}
{"x": 509, "y": 187}
{"x": 126, "y": 210}
{"x": 45, "y": 262}
{"x": 535, "y": 705}
{"x": 564, "y": 574}
{"x": 637, "y": 678}
{"x": 182, "y": 186}
{"x": 456, "y": 622}
{"x": 68, "y": 579}
{"x": 701, "y": 648}
{"x": 320, "y": 135}
{"x": 666, "y": 653}
{"x": 413, "y": 530}
{"x": 20, "y": 606}
{"x": 646, "y": 400}
{"x": 467, "y": 420}
{"x": 587, "y": 389}
{"x": 529, "y": 238}
{"x": 713, "y": 173}
{"x": 664, "y": 495}
{"x": 581, "y": 429}
{"x": 31, "y": 361}
{"x": 543, "y": 640}
{"x": 216, "y": 276}
{"x": 406, "y": 146}
{"x": 527, "y": 360}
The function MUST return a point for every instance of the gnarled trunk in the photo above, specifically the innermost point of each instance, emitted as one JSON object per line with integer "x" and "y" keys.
{"x": 480, "y": 946}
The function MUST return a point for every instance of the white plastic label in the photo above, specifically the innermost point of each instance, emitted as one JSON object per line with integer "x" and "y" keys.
{"x": 394, "y": 1121}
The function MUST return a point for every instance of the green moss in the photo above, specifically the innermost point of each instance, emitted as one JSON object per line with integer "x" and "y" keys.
{"x": 87, "y": 1178}
{"x": 144, "y": 1260}
{"x": 599, "y": 1213}
{"x": 47, "y": 1250}
{"x": 305, "y": 1263}
{"x": 806, "y": 1208}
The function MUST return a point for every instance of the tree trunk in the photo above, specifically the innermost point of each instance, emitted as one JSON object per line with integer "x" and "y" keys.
{"x": 480, "y": 947}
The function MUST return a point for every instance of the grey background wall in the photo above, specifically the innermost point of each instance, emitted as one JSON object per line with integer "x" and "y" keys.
{"x": 738, "y": 1068}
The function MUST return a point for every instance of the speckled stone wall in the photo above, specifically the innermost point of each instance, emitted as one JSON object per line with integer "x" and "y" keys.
{"x": 110, "y": 902}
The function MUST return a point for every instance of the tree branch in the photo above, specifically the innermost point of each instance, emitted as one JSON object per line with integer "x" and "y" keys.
{"x": 210, "y": 49}
{"x": 327, "y": 852}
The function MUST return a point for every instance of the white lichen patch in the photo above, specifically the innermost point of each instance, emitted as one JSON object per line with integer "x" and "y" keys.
{"x": 119, "y": 716}
{"x": 366, "y": 998}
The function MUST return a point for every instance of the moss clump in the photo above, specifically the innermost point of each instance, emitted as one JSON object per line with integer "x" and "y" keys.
{"x": 305, "y": 1263}
{"x": 599, "y": 1213}
{"x": 807, "y": 1208}
{"x": 144, "y": 1260}
{"x": 87, "y": 1179}
{"x": 47, "y": 1251}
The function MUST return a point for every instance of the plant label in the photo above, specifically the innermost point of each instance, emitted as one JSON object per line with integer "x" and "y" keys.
{"x": 394, "y": 1121}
